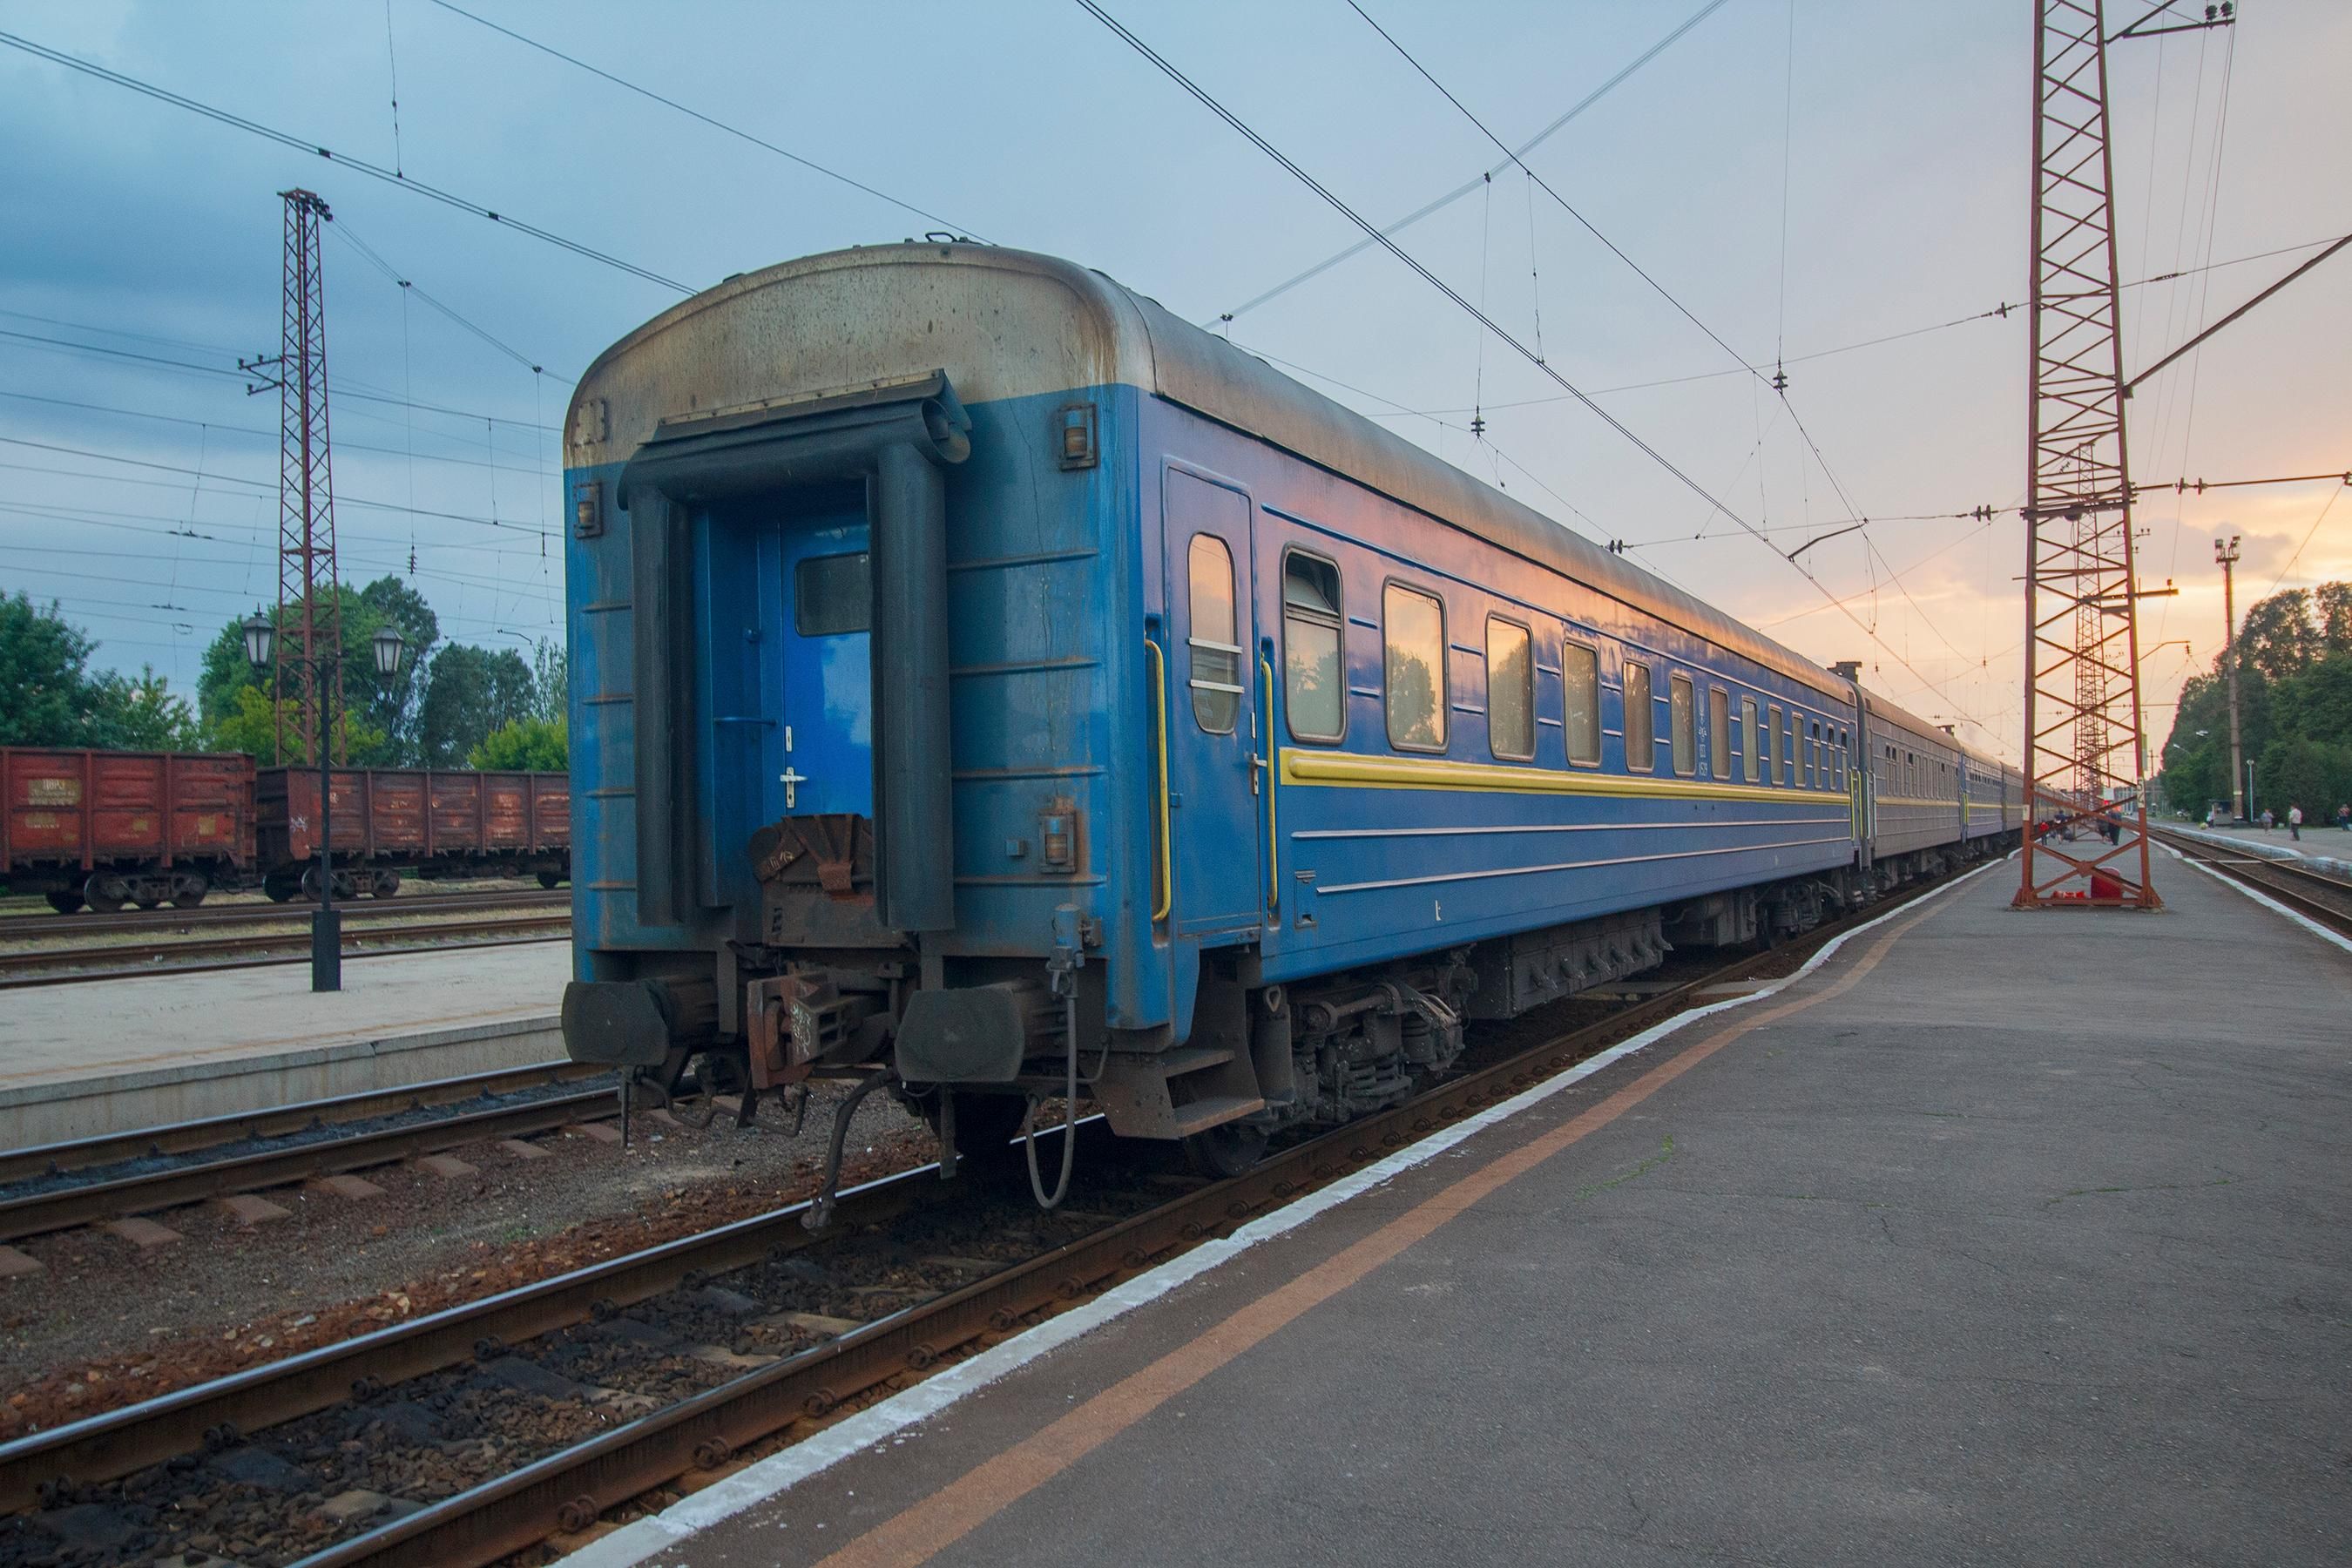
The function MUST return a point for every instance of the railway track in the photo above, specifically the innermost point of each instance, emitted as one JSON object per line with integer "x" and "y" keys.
{"x": 135, "y": 922}
{"x": 929, "y": 1309}
{"x": 151, "y": 1191}
{"x": 2323, "y": 897}
{"x": 106, "y": 1149}
{"x": 39, "y": 967}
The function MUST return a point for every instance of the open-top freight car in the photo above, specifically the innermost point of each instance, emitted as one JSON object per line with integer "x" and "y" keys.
{"x": 110, "y": 828}
{"x": 438, "y": 823}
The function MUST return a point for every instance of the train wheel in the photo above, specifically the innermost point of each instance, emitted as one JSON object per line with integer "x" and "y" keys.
{"x": 64, "y": 900}
{"x": 549, "y": 880}
{"x": 383, "y": 885}
{"x": 280, "y": 889}
{"x": 1228, "y": 1149}
{"x": 187, "y": 892}
{"x": 106, "y": 894}
{"x": 311, "y": 885}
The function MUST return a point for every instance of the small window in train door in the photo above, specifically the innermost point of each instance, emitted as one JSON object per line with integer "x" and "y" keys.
{"x": 1315, "y": 682}
{"x": 1640, "y": 742}
{"x": 1750, "y": 765}
{"x": 1214, "y": 641}
{"x": 1718, "y": 732}
{"x": 1771, "y": 750}
{"x": 1682, "y": 711}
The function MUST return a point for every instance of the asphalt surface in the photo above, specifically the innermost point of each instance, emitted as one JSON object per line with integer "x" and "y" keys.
{"x": 2030, "y": 1245}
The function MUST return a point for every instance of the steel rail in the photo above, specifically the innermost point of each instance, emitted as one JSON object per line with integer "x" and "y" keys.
{"x": 278, "y": 1122}
{"x": 568, "y": 1489}
{"x": 368, "y": 943}
{"x": 132, "y": 922}
{"x": 93, "y": 1202}
{"x": 2291, "y": 884}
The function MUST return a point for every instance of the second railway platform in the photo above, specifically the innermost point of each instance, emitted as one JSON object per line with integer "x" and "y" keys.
{"x": 168, "y": 1048}
{"x": 1995, "y": 1236}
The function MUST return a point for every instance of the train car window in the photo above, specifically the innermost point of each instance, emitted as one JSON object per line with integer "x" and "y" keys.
{"x": 1216, "y": 651}
{"x": 1789, "y": 745}
{"x": 1579, "y": 679}
{"x": 1772, "y": 753}
{"x": 1641, "y": 744}
{"x": 831, "y": 595}
{"x": 1682, "y": 709}
{"x": 1412, "y": 627}
{"x": 1718, "y": 732}
{"x": 1751, "y": 760}
{"x": 1817, "y": 762}
{"x": 1314, "y": 683}
{"x": 1510, "y": 691}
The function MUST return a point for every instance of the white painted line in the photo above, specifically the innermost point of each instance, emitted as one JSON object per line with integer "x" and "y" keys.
{"x": 635, "y": 1542}
{"x": 2305, "y": 921}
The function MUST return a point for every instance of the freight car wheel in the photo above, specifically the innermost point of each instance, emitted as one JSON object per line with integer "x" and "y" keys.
{"x": 64, "y": 900}
{"x": 383, "y": 885}
{"x": 187, "y": 892}
{"x": 1228, "y": 1149}
{"x": 549, "y": 880}
{"x": 106, "y": 894}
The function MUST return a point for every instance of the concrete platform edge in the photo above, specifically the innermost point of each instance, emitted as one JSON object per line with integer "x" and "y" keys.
{"x": 634, "y": 1543}
{"x": 121, "y": 1102}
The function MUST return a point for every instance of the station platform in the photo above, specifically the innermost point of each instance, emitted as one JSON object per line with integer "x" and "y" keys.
{"x": 115, "y": 1054}
{"x": 1992, "y": 1236}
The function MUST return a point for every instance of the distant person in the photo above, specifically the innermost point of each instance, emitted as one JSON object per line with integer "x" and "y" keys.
{"x": 2344, "y": 817}
{"x": 2295, "y": 822}
{"x": 2209, "y": 815}
{"x": 2268, "y": 821}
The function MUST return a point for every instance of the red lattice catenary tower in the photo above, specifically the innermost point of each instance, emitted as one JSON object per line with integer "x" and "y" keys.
{"x": 2083, "y": 737}
{"x": 310, "y": 611}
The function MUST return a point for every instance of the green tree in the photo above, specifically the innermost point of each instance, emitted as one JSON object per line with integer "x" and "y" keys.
{"x": 390, "y": 711}
{"x": 550, "y": 679}
{"x": 542, "y": 745}
{"x": 253, "y": 729}
{"x": 50, "y": 697}
{"x": 2278, "y": 638}
{"x": 468, "y": 692}
{"x": 44, "y": 676}
{"x": 2297, "y": 770}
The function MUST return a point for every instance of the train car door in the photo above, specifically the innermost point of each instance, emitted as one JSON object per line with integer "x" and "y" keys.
{"x": 1216, "y": 772}
{"x": 824, "y": 657}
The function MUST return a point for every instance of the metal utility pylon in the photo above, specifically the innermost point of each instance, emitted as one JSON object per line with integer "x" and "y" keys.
{"x": 310, "y": 613}
{"x": 2083, "y": 736}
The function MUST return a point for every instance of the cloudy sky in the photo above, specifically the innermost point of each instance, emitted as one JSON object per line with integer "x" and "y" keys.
{"x": 1839, "y": 185}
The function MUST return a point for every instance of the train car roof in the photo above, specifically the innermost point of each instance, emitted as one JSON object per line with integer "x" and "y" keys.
{"x": 781, "y": 331}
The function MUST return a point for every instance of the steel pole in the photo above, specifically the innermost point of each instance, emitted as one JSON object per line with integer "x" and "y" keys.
{"x": 325, "y": 920}
{"x": 2243, "y": 798}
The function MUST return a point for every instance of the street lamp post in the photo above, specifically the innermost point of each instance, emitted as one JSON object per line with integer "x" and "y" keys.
{"x": 325, "y": 920}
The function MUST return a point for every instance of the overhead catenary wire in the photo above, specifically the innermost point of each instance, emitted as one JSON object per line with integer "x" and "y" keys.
{"x": 1378, "y": 237}
{"x": 1455, "y": 195}
{"x": 715, "y": 123}
{"x": 357, "y": 165}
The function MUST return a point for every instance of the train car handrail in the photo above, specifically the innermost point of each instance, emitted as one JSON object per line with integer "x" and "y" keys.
{"x": 1273, "y": 869}
{"x": 1167, "y": 901}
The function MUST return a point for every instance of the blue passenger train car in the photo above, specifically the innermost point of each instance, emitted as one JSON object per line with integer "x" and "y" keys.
{"x": 981, "y": 675}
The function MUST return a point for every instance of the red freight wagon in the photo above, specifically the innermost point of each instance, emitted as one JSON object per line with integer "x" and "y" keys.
{"x": 443, "y": 824}
{"x": 112, "y": 828}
